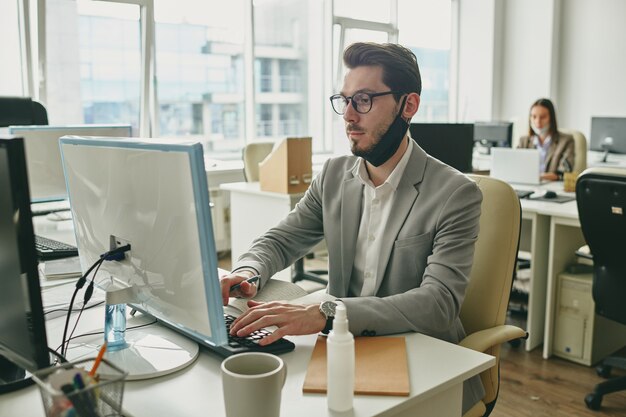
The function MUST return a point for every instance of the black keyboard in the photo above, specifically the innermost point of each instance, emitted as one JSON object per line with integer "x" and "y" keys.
{"x": 250, "y": 343}
{"x": 53, "y": 249}
{"x": 523, "y": 193}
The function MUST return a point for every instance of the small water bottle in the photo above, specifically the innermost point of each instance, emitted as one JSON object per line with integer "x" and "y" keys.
{"x": 115, "y": 326}
{"x": 340, "y": 363}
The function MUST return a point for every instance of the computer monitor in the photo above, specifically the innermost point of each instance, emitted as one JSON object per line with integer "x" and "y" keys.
{"x": 23, "y": 342}
{"x": 153, "y": 196}
{"x": 493, "y": 134}
{"x": 451, "y": 143}
{"x": 43, "y": 159}
{"x": 608, "y": 134}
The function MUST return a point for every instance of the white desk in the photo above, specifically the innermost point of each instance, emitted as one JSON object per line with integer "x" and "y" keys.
{"x": 253, "y": 212}
{"x": 551, "y": 233}
{"x": 437, "y": 371}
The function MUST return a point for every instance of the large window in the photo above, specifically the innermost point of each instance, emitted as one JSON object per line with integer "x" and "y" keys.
{"x": 227, "y": 74}
{"x": 425, "y": 27}
{"x": 200, "y": 72}
{"x": 93, "y": 56}
{"x": 286, "y": 35}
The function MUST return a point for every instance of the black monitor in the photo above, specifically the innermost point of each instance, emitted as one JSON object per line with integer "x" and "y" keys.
{"x": 490, "y": 134}
{"x": 23, "y": 343}
{"x": 608, "y": 134}
{"x": 451, "y": 143}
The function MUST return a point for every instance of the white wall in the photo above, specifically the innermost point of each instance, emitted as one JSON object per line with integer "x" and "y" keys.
{"x": 592, "y": 78}
{"x": 572, "y": 51}
{"x": 476, "y": 60}
{"x": 527, "y": 34}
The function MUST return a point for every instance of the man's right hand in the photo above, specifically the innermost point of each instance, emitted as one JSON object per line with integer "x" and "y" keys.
{"x": 245, "y": 290}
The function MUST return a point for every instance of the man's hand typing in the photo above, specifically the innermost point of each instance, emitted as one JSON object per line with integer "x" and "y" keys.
{"x": 291, "y": 319}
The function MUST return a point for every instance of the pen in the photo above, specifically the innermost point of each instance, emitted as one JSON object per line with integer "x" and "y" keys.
{"x": 250, "y": 280}
{"x": 81, "y": 402}
{"x": 103, "y": 349}
{"x": 78, "y": 381}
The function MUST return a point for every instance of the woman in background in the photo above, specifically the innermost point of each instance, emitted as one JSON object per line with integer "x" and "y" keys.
{"x": 556, "y": 149}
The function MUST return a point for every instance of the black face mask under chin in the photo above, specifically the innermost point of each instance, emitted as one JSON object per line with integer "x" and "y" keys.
{"x": 389, "y": 142}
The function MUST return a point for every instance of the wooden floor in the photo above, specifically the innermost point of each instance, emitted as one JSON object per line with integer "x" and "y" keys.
{"x": 532, "y": 386}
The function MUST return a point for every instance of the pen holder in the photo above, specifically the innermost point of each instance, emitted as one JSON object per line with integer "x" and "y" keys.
{"x": 101, "y": 396}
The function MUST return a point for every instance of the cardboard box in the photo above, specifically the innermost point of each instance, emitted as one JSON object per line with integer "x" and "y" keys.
{"x": 288, "y": 168}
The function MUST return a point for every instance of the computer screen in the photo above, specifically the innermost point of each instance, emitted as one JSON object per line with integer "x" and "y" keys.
{"x": 23, "y": 342}
{"x": 608, "y": 134}
{"x": 491, "y": 134}
{"x": 451, "y": 143}
{"x": 43, "y": 159}
{"x": 153, "y": 196}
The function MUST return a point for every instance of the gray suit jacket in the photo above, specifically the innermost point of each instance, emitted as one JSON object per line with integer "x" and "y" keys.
{"x": 427, "y": 255}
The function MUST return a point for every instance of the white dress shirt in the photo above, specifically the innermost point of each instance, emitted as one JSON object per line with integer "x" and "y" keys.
{"x": 543, "y": 151}
{"x": 377, "y": 202}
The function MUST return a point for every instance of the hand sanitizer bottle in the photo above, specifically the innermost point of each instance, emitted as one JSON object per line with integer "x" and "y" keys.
{"x": 340, "y": 363}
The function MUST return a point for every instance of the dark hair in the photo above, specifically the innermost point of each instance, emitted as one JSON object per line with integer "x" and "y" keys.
{"x": 400, "y": 70}
{"x": 544, "y": 102}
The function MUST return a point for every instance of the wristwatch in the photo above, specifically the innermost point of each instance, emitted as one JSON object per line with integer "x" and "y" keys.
{"x": 327, "y": 309}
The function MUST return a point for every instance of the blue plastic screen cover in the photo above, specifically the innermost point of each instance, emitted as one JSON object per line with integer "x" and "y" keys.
{"x": 153, "y": 195}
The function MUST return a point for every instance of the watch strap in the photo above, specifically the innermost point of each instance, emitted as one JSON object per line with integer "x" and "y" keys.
{"x": 329, "y": 325}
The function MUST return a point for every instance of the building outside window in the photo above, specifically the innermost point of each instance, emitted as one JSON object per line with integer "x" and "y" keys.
{"x": 94, "y": 65}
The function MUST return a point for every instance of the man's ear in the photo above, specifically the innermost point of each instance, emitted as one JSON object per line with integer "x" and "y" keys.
{"x": 411, "y": 105}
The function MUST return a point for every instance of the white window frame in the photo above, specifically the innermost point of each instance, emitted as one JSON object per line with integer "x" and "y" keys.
{"x": 35, "y": 82}
{"x": 148, "y": 113}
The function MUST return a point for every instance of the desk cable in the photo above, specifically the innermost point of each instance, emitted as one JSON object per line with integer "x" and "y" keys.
{"x": 116, "y": 254}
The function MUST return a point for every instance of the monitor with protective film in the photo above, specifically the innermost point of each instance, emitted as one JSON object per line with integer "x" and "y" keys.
{"x": 45, "y": 173}
{"x": 153, "y": 196}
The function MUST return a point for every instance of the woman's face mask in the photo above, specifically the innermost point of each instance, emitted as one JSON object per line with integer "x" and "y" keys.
{"x": 541, "y": 131}
{"x": 540, "y": 116}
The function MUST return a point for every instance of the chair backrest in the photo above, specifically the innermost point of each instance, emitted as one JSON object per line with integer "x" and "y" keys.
{"x": 487, "y": 297}
{"x": 253, "y": 153}
{"x": 580, "y": 147}
{"x": 16, "y": 111}
{"x": 601, "y": 198}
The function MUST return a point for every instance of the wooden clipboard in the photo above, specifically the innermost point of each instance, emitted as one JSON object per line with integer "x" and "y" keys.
{"x": 381, "y": 367}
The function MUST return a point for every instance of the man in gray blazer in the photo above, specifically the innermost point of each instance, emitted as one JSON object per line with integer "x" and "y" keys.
{"x": 400, "y": 226}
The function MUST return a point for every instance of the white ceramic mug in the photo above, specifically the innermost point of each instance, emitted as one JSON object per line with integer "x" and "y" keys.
{"x": 252, "y": 383}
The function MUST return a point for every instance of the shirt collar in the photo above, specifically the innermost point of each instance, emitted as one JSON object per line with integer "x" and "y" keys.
{"x": 396, "y": 175}
{"x": 545, "y": 142}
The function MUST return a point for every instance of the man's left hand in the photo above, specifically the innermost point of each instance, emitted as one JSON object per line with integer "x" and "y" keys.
{"x": 291, "y": 319}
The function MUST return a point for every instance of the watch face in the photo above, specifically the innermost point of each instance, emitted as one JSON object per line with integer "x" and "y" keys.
{"x": 328, "y": 308}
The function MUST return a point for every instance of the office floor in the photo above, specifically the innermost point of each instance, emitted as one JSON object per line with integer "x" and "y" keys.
{"x": 530, "y": 385}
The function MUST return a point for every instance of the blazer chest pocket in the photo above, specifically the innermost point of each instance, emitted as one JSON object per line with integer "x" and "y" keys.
{"x": 414, "y": 241}
{"x": 409, "y": 258}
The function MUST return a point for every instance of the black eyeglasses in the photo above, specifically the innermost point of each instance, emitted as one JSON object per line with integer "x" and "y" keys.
{"x": 361, "y": 102}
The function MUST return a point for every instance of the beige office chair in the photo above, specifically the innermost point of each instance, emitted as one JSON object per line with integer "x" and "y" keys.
{"x": 483, "y": 313}
{"x": 253, "y": 154}
{"x": 580, "y": 147}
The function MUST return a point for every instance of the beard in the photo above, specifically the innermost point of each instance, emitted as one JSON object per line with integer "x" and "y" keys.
{"x": 387, "y": 138}
{"x": 371, "y": 147}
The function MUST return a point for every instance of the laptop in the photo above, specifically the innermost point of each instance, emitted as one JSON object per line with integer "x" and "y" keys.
{"x": 517, "y": 166}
